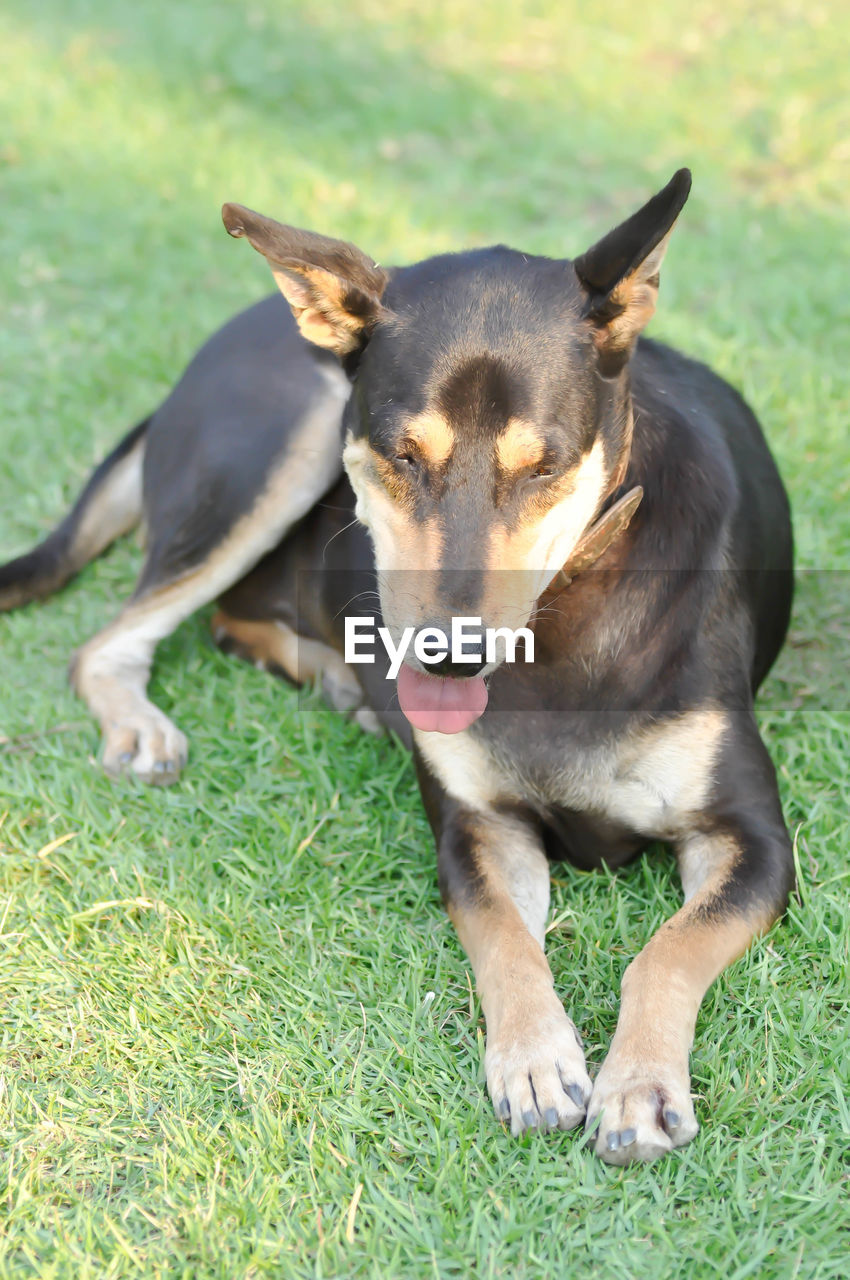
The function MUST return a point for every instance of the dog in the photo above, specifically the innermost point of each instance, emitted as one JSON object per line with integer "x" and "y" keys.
{"x": 487, "y": 435}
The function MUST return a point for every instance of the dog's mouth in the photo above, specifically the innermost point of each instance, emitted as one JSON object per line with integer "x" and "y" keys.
{"x": 440, "y": 704}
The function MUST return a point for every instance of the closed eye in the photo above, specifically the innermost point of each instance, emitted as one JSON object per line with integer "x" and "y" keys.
{"x": 538, "y": 474}
{"x": 408, "y": 464}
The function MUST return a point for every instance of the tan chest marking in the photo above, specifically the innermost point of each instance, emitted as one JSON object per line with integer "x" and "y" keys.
{"x": 666, "y": 773}
{"x": 653, "y": 781}
{"x": 463, "y": 766}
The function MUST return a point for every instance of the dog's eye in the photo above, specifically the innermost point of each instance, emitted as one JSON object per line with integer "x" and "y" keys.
{"x": 407, "y": 461}
{"x": 541, "y": 473}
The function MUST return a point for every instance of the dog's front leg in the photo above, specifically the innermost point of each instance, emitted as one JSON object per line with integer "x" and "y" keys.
{"x": 737, "y": 870}
{"x": 494, "y": 878}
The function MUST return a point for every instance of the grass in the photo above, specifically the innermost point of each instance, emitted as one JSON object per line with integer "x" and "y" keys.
{"x": 238, "y": 1035}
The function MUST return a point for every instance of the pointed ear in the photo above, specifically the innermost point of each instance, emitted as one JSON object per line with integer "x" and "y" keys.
{"x": 620, "y": 273}
{"x": 334, "y": 290}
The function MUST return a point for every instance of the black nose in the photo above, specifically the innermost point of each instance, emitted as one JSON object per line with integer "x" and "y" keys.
{"x": 457, "y": 670}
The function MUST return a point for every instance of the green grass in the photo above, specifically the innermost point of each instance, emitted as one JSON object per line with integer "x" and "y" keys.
{"x": 238, "y": 1036}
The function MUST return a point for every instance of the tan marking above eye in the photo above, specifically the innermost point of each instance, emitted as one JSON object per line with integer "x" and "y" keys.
{"x": 432, "y": 436}
{"x": 519, "y": 446}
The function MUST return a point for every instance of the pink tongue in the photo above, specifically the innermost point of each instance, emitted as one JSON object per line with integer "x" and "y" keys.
{"x": 440, "y": 704}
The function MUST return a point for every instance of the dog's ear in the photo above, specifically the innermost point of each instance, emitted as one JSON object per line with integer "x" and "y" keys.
{"x": 334, "y": 290}
{"x": 619, "y": 275}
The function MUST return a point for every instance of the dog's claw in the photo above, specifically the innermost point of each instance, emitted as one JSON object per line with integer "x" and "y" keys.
{"x": 612, "y": 1141}
{"x": 672, "y": 1119}
{"x": 574, "y": 1092}
{"x": 148, "y": 746}
{"x": 503, "y": 1109}
{"x": 627, "y": 1137}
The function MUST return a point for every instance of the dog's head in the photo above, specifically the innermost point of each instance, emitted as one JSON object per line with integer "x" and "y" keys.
{"x": 489, "y": 418}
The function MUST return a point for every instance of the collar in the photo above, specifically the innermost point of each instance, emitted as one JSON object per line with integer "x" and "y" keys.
{"x": 607, "y": 526}
{"x": 597, "y": 538}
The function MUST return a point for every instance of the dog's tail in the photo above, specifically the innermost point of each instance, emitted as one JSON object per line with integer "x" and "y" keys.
{"x": 109, "y": 505}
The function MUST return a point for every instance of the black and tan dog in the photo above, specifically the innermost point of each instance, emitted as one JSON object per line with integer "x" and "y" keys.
{"x": 491, "y": 419}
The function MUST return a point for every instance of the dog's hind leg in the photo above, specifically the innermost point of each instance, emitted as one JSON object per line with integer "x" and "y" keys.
{"x": 111, "y": 671}
{"x": 274, "y": 646}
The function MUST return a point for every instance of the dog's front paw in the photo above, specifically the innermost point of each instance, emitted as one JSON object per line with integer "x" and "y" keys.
{"x": 536, "y": 1073}
{"x": 639, "y": 1111}
{"x": 147, "y": 745}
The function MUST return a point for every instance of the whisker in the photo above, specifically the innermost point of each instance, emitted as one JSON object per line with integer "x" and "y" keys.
{"x": 345, "y": 527}
{"x": 359, "y": 595}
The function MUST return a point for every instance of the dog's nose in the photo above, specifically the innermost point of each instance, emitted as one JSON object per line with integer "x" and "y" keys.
{"x": 457, "y": 670}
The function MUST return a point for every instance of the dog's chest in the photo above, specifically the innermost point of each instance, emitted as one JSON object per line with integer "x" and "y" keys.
{"x": 627, "y": 787}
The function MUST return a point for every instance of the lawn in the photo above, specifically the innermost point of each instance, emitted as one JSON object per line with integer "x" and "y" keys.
{"x": 238, "y": 1035}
